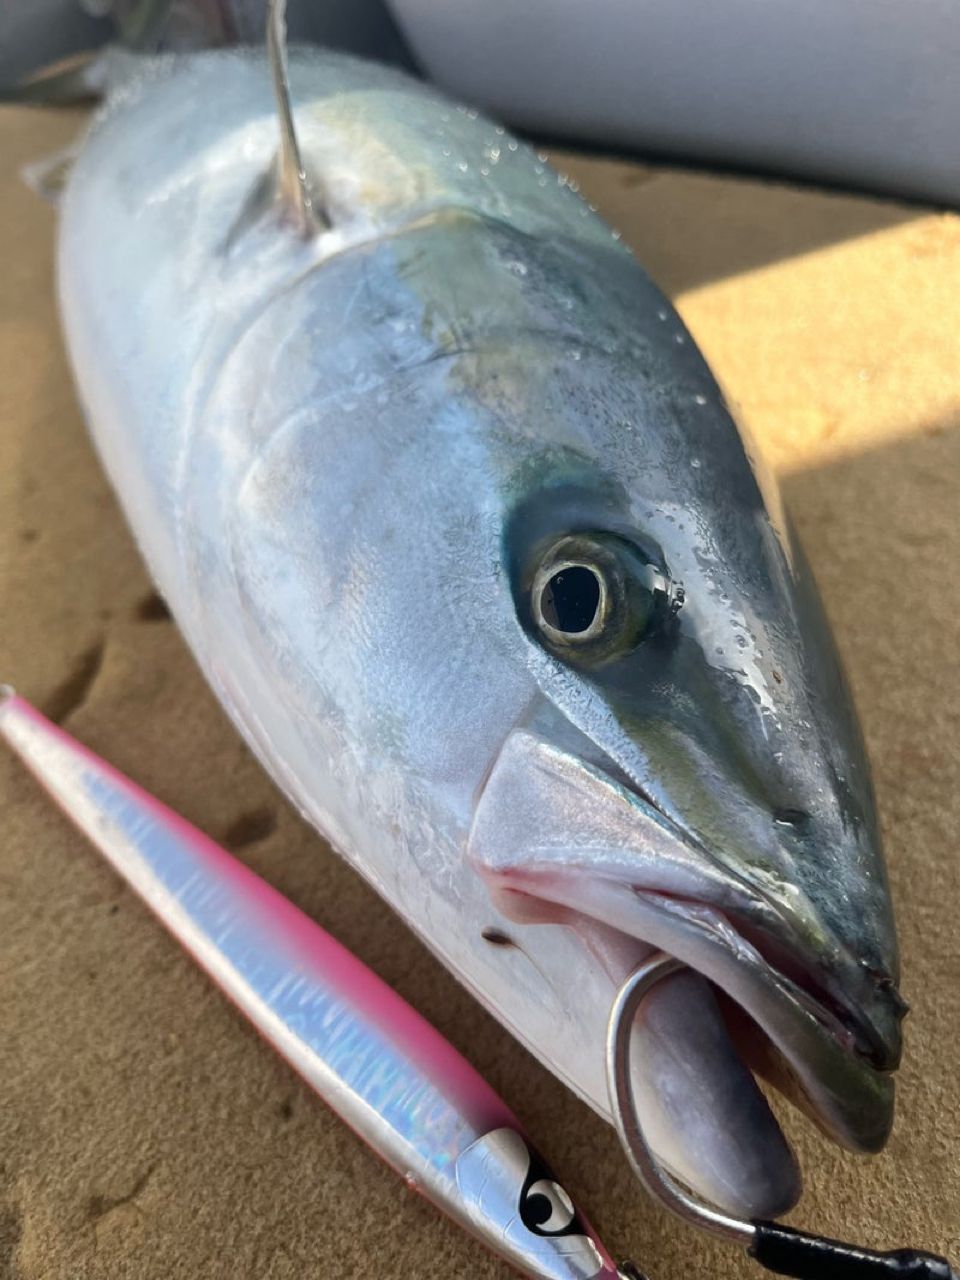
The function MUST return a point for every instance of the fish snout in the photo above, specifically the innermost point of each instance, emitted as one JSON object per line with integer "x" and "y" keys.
{"x": 840, "y": 874}
{"x": 828, "y": 936}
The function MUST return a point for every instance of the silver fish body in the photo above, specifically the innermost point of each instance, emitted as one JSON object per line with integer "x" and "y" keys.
{"x": 356, "y": 464}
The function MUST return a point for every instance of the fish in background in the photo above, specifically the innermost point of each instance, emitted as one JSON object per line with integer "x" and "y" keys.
{"x": 60, "y": 51}
{"x": 859, "y": 95}
{"x": 458, "y": 525}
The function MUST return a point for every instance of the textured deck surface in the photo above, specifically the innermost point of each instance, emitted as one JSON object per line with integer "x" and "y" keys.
{"x": 145, "y": 1132}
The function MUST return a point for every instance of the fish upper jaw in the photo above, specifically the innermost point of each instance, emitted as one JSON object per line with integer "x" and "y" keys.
{"x": 552, "y": 829}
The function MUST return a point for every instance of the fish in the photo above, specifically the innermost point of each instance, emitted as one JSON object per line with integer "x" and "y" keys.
{"x": 459, "y": 526}
{"x": 376, "y": 1062}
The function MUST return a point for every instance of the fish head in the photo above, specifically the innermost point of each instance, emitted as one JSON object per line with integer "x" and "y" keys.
{"x": 694, "y": 776}
{"x": 526, "y": 587}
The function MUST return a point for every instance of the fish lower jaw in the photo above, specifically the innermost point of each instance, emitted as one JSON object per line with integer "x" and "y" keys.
{"x": 787, "y": 1027}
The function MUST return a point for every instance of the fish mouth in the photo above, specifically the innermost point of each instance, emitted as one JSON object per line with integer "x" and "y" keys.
{"x": 801, "y": 1009}
{"x": 803, "y": 983}
{"x": 823, "y": 1055}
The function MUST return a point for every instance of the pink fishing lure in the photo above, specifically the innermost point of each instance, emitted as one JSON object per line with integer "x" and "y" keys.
{"x": 385, "y": 1070}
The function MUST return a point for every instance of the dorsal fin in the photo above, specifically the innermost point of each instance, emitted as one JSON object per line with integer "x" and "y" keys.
{"x": 298, "y": 196}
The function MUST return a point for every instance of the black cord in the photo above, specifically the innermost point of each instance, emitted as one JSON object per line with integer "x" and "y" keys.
{"x": 807, "y": 1257}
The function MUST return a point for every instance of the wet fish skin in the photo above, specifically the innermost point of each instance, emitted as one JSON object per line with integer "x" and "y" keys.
{"x": 344, "y": 459}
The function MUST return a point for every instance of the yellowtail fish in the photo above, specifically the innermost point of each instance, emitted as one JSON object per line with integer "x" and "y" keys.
{"x": 457, "y": 523}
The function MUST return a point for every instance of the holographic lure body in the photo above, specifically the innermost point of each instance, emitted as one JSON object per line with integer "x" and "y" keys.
{"x": 381, "y": 1067}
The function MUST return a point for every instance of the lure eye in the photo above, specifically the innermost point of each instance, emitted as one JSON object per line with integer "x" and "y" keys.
{"x": 547, "y": 1209}
{"x": 594, "y": 597}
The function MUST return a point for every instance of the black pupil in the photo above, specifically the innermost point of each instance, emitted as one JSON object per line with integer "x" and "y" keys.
{"x": 538, "y": 1209}
{"x": 570, "y": 600}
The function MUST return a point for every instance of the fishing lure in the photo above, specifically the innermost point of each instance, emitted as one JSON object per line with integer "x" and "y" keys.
{"x": 380, "y": 1066}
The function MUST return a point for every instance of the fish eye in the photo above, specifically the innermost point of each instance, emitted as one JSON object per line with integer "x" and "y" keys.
{"x": 594, "y": 597}
{"x": 569, "y": 600}
{"x": 547, "y": 1209}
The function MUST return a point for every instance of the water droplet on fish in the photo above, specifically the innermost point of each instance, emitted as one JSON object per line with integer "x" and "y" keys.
{"x": 701, "y": 400}
{"x": 575, "y": 355}
{"x": 695, "y": 463}
{"x": 512, "y": 144}
{"x": 518, "y": 268}
{"x": 541, "y": 182}
{"x": 663, "y": 315}
{"x": 500, "y": 131}
{"x": 493, "y": 155}
{"x": 616, "y": 234}
{"x": 484, "y": 171}
{"x": 542, "y": 156}
{"x": 472, "y": 114}
{"x": 463, "y": 166}
{"x": 679, "y": 339}
{"x": 446, "y": 152}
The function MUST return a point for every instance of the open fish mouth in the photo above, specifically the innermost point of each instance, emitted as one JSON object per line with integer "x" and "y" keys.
{"x": 826, "y": 1057}
{"x": 553, "y": 832}
{"x": 797, "y": 981}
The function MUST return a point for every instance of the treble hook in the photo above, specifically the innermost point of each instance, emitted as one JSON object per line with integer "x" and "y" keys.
{"x": 783, "y": 1250}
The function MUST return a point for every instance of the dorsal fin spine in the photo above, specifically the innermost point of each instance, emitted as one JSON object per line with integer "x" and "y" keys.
{"x": 292, "y": 186}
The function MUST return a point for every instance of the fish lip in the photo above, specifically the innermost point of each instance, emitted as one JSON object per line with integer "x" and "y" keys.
{"x": 810, "y": 986}
{"x": 813, "y": 995}
{"x": 829, "y": 1002}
